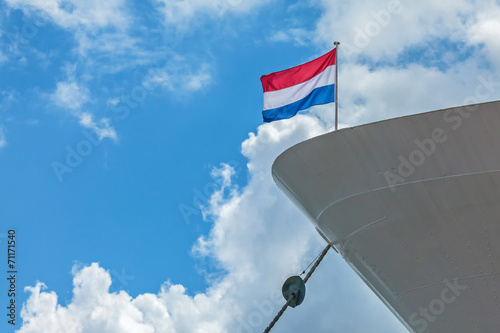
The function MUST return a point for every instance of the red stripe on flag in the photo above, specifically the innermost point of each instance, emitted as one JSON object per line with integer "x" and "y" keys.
{"x": 298, "y": 74}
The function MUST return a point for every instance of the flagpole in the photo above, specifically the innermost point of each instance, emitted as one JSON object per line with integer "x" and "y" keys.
{"x": 336, "y": 85}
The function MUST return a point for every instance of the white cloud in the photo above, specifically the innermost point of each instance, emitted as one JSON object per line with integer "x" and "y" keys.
{"x": 4, "y": 46}
{"x": 3, "y": 140}
{"x": 178, "y": 75}
{"x": 92, "y": 309}
{"x": 375, "y": 94}
{"x": 102, "y": 128}
{"x": 223, "y": 175}
{"x": 113, "y": 51}
{"x": 258, "y": 238}
{"x": 279, "y": 36}
{"x": 3, "y": 58}
{"x": 383, "y": 30}
{"x": 375, "y": 84}
{"x": 70, "y": 95}
{"x": 7, "y": 98}
{"x": 101, "y": 30}
{"x": 87, "y": 14}
{"x": 485, "y": 31}
{"x": 182, "y": 13}
{"x": 300, "y": 37}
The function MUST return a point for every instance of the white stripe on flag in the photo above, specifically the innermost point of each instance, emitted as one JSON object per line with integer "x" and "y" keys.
{"x": 279, "y": 98}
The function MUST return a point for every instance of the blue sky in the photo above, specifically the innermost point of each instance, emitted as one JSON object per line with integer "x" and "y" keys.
{"x": 133, "y": 154}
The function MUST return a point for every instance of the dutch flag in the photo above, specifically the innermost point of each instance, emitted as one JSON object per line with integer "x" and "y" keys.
{"x": 298, "y": 88}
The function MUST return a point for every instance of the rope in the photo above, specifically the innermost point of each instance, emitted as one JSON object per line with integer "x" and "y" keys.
{"x": 317, "y": 263}
{"x": 268, "y": 329}
{"x": 312, "y": 262}
{"x": 321, "y": 256}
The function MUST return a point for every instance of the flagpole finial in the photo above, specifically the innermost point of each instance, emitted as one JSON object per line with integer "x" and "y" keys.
{"x": 336, "y": 43}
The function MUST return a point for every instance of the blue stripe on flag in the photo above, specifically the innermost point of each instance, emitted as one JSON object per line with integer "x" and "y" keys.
{"x": 321, "y": 95}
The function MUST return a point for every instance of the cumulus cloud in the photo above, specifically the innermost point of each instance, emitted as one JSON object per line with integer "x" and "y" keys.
{"x": 483, "y": 32}
{"x": 93, "y": 308}
{"x": 258, "y": 238}
{"x": 375, "y": 94}
{"x": 383, "y": 30}
{"x": 402, "y": 57}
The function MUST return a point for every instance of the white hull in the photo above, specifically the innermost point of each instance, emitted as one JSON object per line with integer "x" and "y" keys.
{"x": 413, "y": 204}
